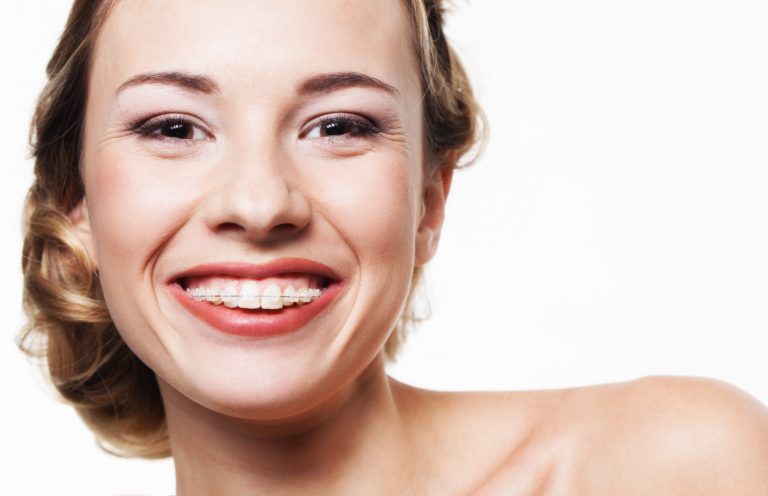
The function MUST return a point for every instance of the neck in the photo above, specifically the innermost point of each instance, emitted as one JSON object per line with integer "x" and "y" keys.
{"x": 358, "y": 442}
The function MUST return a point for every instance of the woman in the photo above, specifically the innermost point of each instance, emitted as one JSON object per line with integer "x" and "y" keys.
{"x": 233, "y": 202}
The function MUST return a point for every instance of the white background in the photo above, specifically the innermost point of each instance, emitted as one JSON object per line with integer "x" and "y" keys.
{"x": 615, "y": 227}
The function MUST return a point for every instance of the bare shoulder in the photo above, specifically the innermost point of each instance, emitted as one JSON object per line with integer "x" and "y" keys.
{"x": 654, "y": 435}
{"x": 675, "y": 435}
{"x": 487, "y": 442}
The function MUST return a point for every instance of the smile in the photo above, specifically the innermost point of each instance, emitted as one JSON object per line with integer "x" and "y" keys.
{"x": 257, "y": 300}
{"x": 272, "y": 293}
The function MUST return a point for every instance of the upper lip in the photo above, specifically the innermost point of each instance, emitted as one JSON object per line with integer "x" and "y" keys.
{"x": 258, "y": 271}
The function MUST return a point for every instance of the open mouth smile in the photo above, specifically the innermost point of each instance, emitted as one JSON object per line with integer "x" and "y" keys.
{"x": 272, "y": 293}
{"x": 256, "y": 300}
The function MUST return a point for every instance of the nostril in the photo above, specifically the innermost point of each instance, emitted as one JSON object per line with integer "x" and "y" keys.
{"x": 264, "y": 233}
{"x": 284, "y": 228}
{"x": 231, "y": 226}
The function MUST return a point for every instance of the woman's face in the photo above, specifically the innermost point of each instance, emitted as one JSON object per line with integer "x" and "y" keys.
{"x": 295, "y": 131}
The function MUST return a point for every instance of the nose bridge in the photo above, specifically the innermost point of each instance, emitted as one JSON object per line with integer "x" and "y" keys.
{"x": 257, "y": 190}
{"x": 258, "y": 171}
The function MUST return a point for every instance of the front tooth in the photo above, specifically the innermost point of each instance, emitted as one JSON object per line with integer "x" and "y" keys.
{"x": 249, "y": 295}
{"x": 229, "y": 295}
{"x": 270, "y": 298}
{"x": 289, "y": 296}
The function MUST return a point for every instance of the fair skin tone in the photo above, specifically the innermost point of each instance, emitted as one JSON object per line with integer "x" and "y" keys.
{"x": 254, "y": 172}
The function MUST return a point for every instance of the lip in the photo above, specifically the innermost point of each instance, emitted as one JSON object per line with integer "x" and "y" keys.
{"x": 257, "y": 323}
{"x": 261, "y": 271}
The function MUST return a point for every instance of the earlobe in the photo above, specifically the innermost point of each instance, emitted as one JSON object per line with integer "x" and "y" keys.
{"x": 433, "y": 212}
{"x": 81, "y": 225}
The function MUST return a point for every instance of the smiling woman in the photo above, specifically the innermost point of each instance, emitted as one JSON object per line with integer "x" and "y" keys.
{"x": 232, "y": 207}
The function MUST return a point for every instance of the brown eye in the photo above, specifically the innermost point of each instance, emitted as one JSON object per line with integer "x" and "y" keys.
{"x": 340, "y": 126}
{"x": 171, "y": 129}
{"x": 177, "y": 129}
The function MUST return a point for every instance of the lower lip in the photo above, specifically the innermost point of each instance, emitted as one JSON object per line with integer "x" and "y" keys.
{"x": 255, "y": 323}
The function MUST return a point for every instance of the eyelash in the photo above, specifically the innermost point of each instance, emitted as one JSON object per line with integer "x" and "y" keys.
{"x": 356, "y": 128}
{"x": 149, "y": 127}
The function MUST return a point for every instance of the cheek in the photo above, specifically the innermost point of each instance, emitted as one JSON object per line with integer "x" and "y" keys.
{"x": 372, "y": 205}
{"x": 136, "y": 205}
{"x": 132, "y": 210}
{"x": 372, "y": 208}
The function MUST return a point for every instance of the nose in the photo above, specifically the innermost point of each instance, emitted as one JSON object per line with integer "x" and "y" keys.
{"x": 257, "y": 194}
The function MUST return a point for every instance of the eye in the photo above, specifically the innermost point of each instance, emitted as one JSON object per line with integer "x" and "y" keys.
{"x": 339, "y": 127}
{"x": 173, "y": 128}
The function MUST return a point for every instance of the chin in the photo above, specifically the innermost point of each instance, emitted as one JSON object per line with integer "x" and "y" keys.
{"x": 254, "y": 392}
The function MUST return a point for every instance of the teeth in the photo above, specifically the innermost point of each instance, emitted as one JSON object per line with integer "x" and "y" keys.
{"x": 289, "y": 296}
{"x": 249, "y": 296}
{"x": 207, "y": 295}
{"x": 271, "y": 298}
{"x": 303, "y": 296}
{"x": 229, "y": 295}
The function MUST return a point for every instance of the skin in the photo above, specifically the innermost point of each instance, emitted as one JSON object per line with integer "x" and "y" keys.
{"x": 314, "y": 412}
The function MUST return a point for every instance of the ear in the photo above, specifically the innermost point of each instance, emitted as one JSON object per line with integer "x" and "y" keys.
{"x": 81, "y": 224}
{"x": 435, "y": 194}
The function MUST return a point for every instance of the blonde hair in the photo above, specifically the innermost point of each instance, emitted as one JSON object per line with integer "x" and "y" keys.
{"x": 68, "y": 323}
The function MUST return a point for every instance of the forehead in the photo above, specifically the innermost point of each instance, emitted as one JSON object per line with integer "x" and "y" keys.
{"x": 258, "y": 44}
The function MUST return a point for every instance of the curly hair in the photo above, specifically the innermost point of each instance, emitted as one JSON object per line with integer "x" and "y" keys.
{"x": 68, "y": 323}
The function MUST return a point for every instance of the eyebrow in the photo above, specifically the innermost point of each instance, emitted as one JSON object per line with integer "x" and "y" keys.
{"x": 187, "y": 81}
{"x": 339, "y": 80}
{"x": 320, "y": 83}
